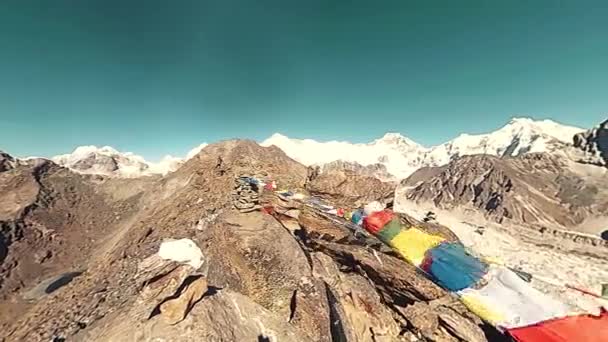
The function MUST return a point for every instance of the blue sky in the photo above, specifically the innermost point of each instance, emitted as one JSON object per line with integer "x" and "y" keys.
{"x": 158, "y": 77}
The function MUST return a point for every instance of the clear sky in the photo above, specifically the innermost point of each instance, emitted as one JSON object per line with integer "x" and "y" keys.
{"x": 159, "y": 77}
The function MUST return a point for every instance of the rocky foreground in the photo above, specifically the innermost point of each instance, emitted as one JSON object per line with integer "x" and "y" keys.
{"x": 274, "y": 269}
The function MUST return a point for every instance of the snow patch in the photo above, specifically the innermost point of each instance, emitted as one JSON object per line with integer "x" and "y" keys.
{"x": 193, "y": 152}
{"x": 184, "y": 251}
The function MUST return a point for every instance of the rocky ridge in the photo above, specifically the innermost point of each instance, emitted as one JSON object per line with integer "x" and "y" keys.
{"x": 295, "y": 275}
{"x": 534, "y": 189}
{"x": 594, "y": 143}
{"x": 7, "y": 162}
{"x": 346, "y": 187}
{"x": 376, "y": 170}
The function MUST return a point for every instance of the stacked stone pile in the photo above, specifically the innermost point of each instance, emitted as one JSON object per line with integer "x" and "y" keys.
{"x": 246, "y": 194}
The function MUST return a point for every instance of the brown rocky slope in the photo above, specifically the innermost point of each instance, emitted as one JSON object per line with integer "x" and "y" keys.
{"x": 296, "y": 275}
{"x": 52, "y": 221}
{"x": 534, "y": 189}
{"x": 347, "y": 187}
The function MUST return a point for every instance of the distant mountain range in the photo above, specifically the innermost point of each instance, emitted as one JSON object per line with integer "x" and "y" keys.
{"x": 402, "y": 156}
{"x": 395, "y": 154}
{"x": 108, "y": 161}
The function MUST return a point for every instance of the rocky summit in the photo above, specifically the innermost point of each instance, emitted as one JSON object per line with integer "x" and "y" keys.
{"x": 81, "y": 259}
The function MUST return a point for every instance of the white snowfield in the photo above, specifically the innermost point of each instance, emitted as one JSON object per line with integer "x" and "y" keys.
{"x": 551, "y": 268}
{"x": 402, "y": 156}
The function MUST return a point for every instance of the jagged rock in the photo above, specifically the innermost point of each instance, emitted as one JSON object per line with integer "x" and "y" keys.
{"x": 224, "y": 316}
{"x": 254, "y": 255}
{"x": 310, "y": 309}
{"x": 441, "y": 323}
{"x": 398, "y": 283}
{"x": 347, "y": 188}
{"x": 373, "y": 170}
{"x": 459, "y": 326}
{"x": 316, "y": 225}
{"x": 534, "y": 189}
{"x": 42, "y": 256}
{"x": 361, "y": 315}
{"x": 421, "y": 317}
{"x": 594, "y": 143}
{"x": 174, "y": 310}
{"x": 7, "y": 162}
{"x": 159, "y": 281}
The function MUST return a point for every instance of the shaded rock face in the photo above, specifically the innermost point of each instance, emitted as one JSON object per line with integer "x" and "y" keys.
{"x": 373, "y": 170}
{"x": 344, "y": 187}
{"x": 7, "y": 162}
{"x": 295, "y": 275}
{"x": 105, "y": 164}
{"x": 51, "y": 221}
{"x": 531, "y": 189}
{"x": 594, "y": 143}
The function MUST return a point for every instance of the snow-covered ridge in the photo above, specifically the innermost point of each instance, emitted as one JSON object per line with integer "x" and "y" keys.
{"x": 108, "y": 161}
{"x": 402, "y": 156}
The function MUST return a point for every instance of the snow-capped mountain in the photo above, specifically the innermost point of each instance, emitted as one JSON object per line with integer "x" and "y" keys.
{"x": 519, "y": 136}
{"x": 110, "y": 162}
{"x": 402, "y": 156}
{"x": 399, "y": 155}
{"x": 103, "y": 160}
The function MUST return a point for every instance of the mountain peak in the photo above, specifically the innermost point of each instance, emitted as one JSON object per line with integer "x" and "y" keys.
{"x": 521, "y": 121}
{"x": 193, "y": 152}
{"x": 103, "y": 160}
{"x": 276, "y": 139}
{"x": 394, "y": 138}
{"x": 401, "y": 156}
{"x": 545, "y": 127}
{"x": 106, "y": 160}
{"x": 88, "y": 149}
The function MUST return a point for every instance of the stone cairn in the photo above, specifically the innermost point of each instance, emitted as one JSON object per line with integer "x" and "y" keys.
{"x": 246, "y": 195}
